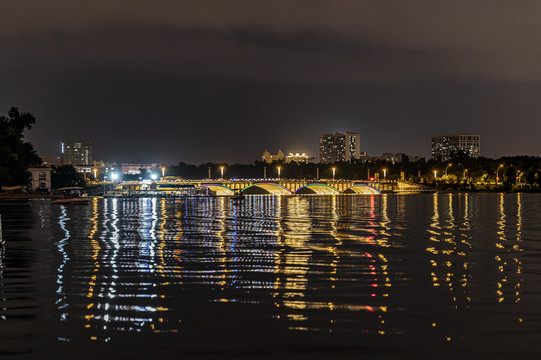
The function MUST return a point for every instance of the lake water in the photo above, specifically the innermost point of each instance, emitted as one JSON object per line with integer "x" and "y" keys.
{"x": 315, "y": 277}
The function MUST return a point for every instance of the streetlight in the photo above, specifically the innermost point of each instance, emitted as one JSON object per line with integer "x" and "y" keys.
{"x": 163, "y": 171}
{"x": 333, "y": 173}
{"x": 279, "y": 168}
{"x": 497, "y": 177}
{"x": 447, "y": 168}
{"x": 95, "y": 173}
{"x": 465, "y": 170}
{"x": 517, "y": 172}
{"x": 384, "y": 174}
{"x": 435, "y": 174}
{"x": 221, "y": 172}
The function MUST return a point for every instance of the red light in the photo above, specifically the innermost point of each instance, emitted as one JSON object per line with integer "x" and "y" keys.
{"x": 372, "y": 179}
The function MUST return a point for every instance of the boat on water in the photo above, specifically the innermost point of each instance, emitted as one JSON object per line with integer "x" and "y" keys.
{"x": 72, "y": 195}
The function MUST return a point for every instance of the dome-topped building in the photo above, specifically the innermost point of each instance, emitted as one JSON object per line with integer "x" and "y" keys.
{"x": 269, "y": 158}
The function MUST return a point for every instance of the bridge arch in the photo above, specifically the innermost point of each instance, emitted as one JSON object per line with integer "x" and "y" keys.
{"x": 218, "y": 189}
{"x": 361, "y": 189}
{"x": 318, "y": 189}
{"x": 266, "y": 189}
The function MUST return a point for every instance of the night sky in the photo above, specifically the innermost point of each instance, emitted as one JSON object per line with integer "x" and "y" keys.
{"x": 221, "y": 81}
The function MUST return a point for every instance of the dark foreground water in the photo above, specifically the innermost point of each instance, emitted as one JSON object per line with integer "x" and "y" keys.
{"x": 322, "y": 277}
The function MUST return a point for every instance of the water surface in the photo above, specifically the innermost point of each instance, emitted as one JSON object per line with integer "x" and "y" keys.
{"x": 382, "y": 276}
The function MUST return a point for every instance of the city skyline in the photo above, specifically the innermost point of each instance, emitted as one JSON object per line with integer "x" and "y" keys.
{"x": 198, "y": 81}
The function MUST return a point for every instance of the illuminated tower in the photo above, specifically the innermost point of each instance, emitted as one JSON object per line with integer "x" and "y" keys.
{"x": 77, "y": 152}
{"x": 339, "y": 147}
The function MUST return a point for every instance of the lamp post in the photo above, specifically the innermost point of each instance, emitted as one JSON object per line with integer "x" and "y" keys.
{"x": 435, "y": 174}
{"x": 163, "y": 171}
{"x": 448, "y": 166}
{"x": 279, "y": 168}
{"x": 384, "y": 174}
{"x": 95, "y": 174}
{"x": 264, "y": 172}
{"x": 497, "y": 177}
{"x": 317, "y": 173}
{"x": 333, "y": 173}
{"x": 221, "y": 172}
{"x": 516, "y": 171}
{"x": 114, "y": 176}
{"x": 465, "y": 170}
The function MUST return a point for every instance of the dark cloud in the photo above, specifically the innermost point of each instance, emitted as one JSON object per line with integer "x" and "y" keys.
{"x": 221, "y": 81}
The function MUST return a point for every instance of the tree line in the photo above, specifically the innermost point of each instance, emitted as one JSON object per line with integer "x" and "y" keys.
{"x": 460, "y": 172}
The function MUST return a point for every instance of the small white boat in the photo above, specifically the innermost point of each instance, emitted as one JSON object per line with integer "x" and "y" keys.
{"x": 72, "y": 195}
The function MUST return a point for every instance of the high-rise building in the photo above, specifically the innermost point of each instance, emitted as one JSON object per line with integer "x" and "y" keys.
{"x": 339, "y": 147}
{"x": 77, "y": 152}
{"x": 444, "y": 147}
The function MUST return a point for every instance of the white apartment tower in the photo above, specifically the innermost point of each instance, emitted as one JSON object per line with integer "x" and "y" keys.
{"x": 339, "y": 147}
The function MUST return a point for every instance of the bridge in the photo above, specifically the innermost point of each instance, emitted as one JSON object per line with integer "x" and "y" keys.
{"x": 223, "y": 187}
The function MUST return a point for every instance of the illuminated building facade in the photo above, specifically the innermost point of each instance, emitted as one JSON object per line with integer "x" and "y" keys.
{"x": 136, "y": 169}
{"x": 444, "y": 147}
{"x": 268, "y": 158}
{"x": 298, "y": 158}
{"x": 339, "y": 147}
{"x": 77, "y": 152}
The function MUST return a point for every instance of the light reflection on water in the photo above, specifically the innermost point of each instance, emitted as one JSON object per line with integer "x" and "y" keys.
{"x": 349, "y": 270}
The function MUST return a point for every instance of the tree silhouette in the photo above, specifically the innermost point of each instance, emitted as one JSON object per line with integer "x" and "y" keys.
{"x": 16, "y": 155}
